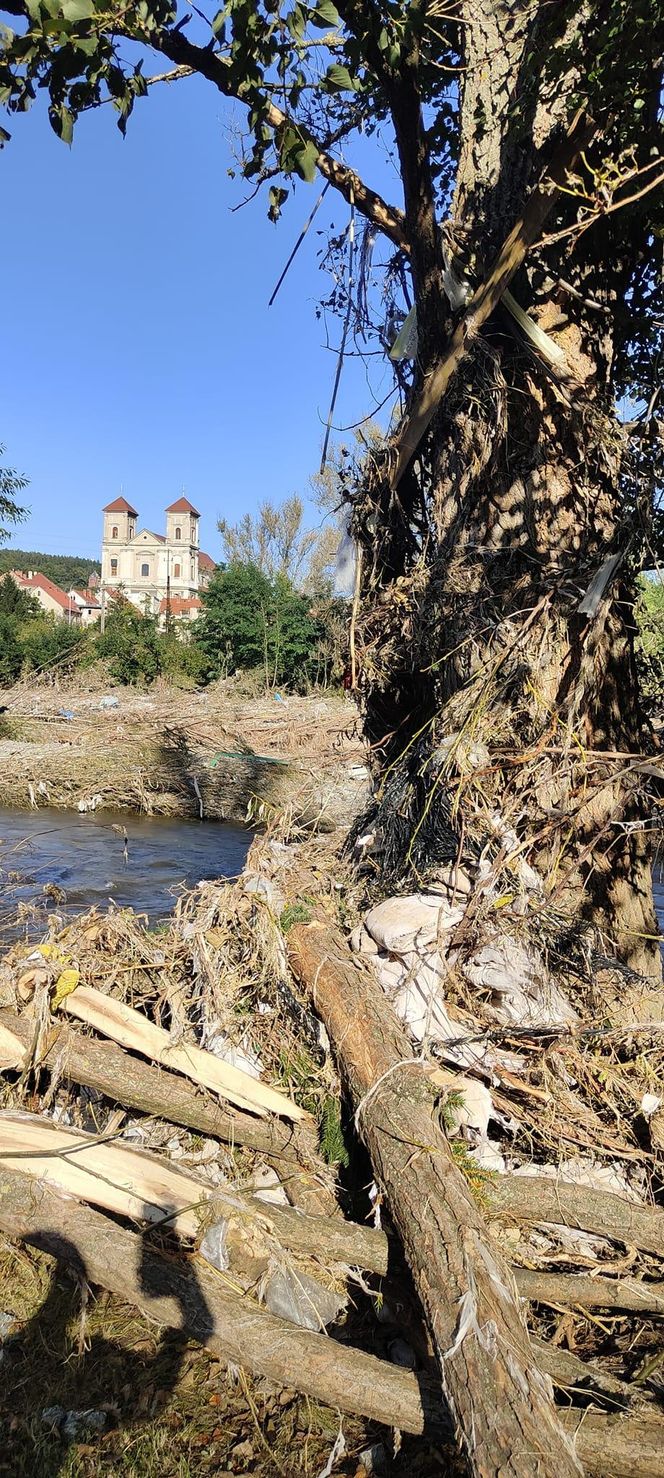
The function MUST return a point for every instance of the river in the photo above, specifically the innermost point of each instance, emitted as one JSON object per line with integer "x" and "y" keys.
{"x": 61, "y": 861}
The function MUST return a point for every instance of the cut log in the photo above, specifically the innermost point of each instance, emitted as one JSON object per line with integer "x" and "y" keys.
{"x": 146, "y": 1187}
{"x": 538, "y": 1200}
{"x": 112, "y": 1018}
{"x": 569, "y": 1373}
{"x": 185, "y": 1294}
{"x": 620, "y": 1446}
{"x": 580, "y": 1290}
{"x": 501, "y": 1405}
{"x": 128, "y": 1080}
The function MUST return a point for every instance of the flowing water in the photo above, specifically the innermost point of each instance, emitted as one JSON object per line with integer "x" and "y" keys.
{"x": 60, "y": 860}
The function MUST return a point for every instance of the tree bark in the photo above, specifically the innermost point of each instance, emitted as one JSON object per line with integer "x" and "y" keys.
{"x": 579, "y": 1290}
{"x": 538, "y": 1199}
{"x": 501, "y": 1406}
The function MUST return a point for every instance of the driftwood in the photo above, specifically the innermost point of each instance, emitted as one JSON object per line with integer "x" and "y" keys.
{"x": 130, "y": 1028}
{"x": 581, "y": 1290}
{"x": 500, "y": 1404}
{"x": 145, "y": 1187}
{"x": 185, "y": 1294}
{"x": 537, "y": 1199}
{"x": 124, "y": 1079}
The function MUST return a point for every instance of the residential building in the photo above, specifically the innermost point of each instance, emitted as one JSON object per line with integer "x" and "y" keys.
{"x": 51, "y": 598}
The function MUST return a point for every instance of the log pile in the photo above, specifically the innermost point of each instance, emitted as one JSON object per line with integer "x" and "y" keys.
{"x": 102, "y": 1021}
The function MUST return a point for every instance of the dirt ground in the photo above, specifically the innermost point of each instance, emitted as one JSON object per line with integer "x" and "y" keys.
{"x": 167, "y": 1407}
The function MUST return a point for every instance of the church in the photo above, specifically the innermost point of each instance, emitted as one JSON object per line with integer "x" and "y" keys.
{"x": 161, "y": 573}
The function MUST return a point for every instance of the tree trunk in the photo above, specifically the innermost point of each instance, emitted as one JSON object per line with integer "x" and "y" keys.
{"x": 477, "y": 565}
{"x": 500, "y": 1405}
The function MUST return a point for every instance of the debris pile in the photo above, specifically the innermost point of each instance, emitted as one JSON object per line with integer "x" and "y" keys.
{"x": 177, "y": 1108}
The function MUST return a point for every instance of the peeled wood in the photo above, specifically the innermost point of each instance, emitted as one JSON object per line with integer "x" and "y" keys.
{"x": 500, "y": 1404}
{"x": 579, "y": 1290}
{"x": 538, "y": 1199}
{"x": 112, "y": 1018}
{"x": 145, "y": 1187}
{"x": 183, "y": 1293}
{"x": 128, "y": 1080}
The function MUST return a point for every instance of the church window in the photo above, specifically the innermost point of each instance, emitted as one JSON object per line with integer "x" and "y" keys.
{"x": 177, "y": 571}
{"x": 114, "y": 567}
{"x": 145, "y": 569}
{"x": 114, "y": 531}
{"x": 178, "y": 532}
{"x": 193, "y": 531}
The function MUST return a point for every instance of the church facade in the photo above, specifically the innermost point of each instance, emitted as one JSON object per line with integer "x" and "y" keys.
{"x": 161, "y": 573}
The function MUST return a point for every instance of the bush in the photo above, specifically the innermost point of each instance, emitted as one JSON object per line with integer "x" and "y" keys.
{"x": 650, "y": 643}
{"x": 130, "y": 644}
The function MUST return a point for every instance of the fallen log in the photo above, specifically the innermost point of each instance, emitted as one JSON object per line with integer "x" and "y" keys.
{"x": 501, "y": 1406}
{"x": 620, "y": 1446}
{"x": 538, "y": 1199}
{"x": 109, "y": 1069}
{"x": 184, "y": 1294}
{"x": 142, "y": 1186}
{"x": 581, "y": 1290}
{"x": 569, "y": 1373}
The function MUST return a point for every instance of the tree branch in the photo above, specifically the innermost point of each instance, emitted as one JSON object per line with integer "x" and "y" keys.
{"x": 208, "y": 64}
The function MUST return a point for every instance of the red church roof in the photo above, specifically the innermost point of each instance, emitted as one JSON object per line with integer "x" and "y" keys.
{"x": 120, "y": 505}
{"x": 183, "y": 506}
{"x": 181, "y": 605}
{"x": 206, "y": 562}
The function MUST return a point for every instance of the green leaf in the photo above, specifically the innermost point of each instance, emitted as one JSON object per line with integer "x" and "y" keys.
{"x": 305, "y": 162}
{"x": 338, "y": 79}
{"x": 325, "y": 14}
{"x": 62, "y": 122}
{"x": 277, "y": 195}
{"x": 77, "y": 10}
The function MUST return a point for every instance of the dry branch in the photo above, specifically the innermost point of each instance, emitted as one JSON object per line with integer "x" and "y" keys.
{"x": 500, "y": 1404}
{"x": 569, "y": 1373}
{"x": 184, "y": 1293}
{"x": 537, "y": 1199}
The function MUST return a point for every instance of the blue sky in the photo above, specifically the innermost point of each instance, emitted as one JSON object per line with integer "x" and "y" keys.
{"x": 140, "y": 353}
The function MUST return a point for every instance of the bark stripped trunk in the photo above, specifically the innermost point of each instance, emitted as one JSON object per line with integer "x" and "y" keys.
{"x": 509, "y": 510}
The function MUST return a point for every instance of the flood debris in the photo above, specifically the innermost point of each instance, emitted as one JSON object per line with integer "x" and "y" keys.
{"x": 176, "y": 1108}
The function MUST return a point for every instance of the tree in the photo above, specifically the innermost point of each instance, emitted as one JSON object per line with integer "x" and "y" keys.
{"x": 130, "y": 644}
{"x": 66, "y": 570}
{"x": 250, "y": 621}
{"x": 16, "y": 602}
{"x": 276, "y": 542}
{"x": 501, "y": 528}
{"x": 12, "y": 484}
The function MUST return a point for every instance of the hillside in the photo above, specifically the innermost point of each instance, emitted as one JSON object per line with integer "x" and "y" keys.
{"x": 66, "y": 570}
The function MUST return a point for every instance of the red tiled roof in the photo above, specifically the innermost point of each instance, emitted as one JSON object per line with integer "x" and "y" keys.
{"x": 120, "y": 505}
{"x": 183, "y": 506}
{"x": 180, "y": 604}
{"x": 42, "y": 582}
{"x": 87, "y": 598}
{"x": 206, "y": 562}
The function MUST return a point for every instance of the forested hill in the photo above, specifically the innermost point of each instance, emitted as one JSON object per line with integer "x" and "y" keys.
{"x": 66, "y": 570}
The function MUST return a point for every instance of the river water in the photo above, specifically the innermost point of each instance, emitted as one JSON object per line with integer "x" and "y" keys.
{"x": 66, "y": 862}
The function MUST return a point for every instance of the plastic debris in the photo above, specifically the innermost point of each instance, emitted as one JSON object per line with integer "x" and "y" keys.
{"x": 109, "y": 702}
{"x": 213, "y": 1246}
{"x": 301, "y": 1300}
{"x": 74, "y": 1426}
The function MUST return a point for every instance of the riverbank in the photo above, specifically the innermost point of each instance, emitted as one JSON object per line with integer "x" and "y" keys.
{"x": 222, "y": 755}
